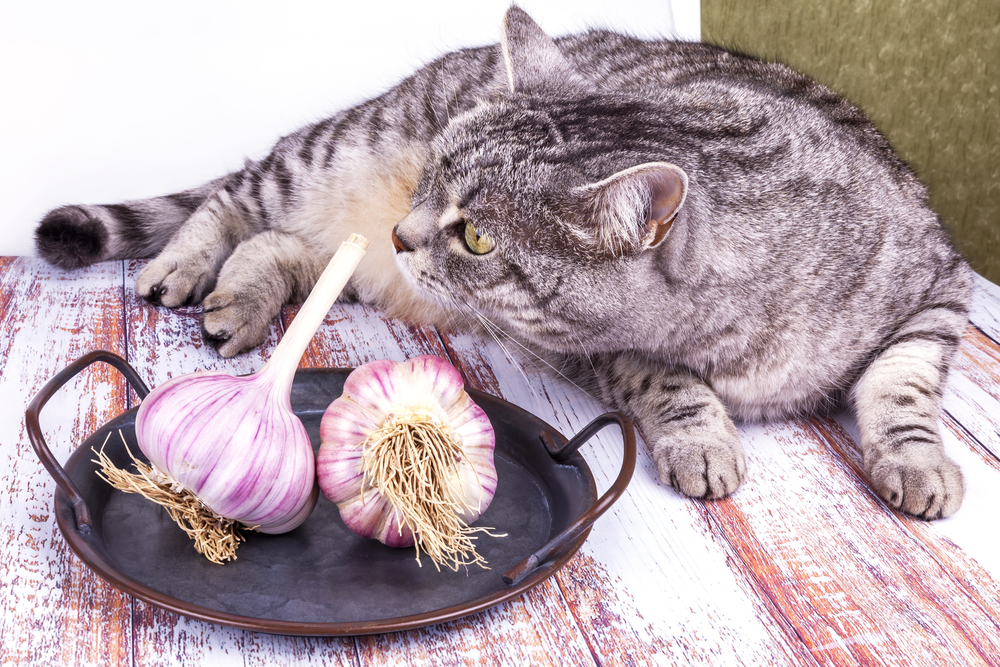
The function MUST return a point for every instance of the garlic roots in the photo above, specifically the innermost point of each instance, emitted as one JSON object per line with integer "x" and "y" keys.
{"x": 407, "y": 457}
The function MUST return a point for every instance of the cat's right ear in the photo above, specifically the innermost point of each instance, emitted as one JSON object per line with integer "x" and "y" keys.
{"x": 533, "y": 62}
{"x": 634, "y": 209}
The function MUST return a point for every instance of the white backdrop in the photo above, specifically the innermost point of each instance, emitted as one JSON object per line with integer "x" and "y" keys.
{"x": 108, "y": 100}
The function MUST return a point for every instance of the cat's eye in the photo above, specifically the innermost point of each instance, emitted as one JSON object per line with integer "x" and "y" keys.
{"x": 476, "y": 241}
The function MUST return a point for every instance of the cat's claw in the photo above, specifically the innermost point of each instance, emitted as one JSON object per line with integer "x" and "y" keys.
{"x": 702, "y": 470}
{"x": 928, "y": 488}
{"x": 173, "y": 283}
{"x": 232, "y": 325}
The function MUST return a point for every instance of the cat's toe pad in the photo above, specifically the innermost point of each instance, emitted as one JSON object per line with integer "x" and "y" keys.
{"x": 232, "y": 324}
{"x": 702, "y": 470}
{"x": 927, "y": 487}
{"x": 174, "y": 282}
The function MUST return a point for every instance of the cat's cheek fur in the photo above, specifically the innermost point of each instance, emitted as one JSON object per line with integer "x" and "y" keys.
{"x": 418, "y": 274}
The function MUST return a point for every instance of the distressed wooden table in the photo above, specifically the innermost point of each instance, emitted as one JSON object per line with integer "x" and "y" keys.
{"x": 802, "y": 566}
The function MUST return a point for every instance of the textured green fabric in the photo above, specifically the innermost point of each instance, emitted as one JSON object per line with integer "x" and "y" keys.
{"x": 926, "y": 71}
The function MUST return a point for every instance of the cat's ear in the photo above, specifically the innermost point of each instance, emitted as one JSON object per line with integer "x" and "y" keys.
{"x": 533, "y": 62}
{"x": 635, "y": 208}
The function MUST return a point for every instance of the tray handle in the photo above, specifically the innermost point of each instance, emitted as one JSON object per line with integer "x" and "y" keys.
{"x": 83, "y": 522}
{"x": 587, "y": 519}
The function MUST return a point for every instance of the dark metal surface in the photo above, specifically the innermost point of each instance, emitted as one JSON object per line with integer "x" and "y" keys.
{"x": 322, "y": 579}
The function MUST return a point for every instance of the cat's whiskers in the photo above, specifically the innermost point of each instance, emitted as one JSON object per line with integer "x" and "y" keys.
{"x": 581, "y": 344}
{"x": 496, "y": 330}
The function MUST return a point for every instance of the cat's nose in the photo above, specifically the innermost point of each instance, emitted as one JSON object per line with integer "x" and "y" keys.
{"x": 397, "y": 242}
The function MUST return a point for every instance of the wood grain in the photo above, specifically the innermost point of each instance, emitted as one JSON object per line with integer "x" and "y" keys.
{"x": 975, "y": 567}
{"x": 973, "y": 393}
{"x": 802, "y": 566}
{"x": 54, "y": 610}
{"x": 985, "y": 312}
{"x": 844, "y": 567}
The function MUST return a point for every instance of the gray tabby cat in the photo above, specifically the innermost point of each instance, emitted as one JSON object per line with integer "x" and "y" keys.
{"x": 696, "y": 235}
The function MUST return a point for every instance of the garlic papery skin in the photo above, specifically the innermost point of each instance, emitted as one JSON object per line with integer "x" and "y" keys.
{"x": 383, "y": 396}
{"x": 233, "y": 445}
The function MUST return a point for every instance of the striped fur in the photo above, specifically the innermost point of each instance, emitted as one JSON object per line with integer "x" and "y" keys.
{"x": 696, "y": 236}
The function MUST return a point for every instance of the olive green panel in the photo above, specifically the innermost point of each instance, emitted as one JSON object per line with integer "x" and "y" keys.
{"x": 926, "y": 71}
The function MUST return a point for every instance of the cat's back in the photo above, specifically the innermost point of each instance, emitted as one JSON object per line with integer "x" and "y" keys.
{"x": 616, "y": 62}
{"x": 697, "y": 75}
{"x": 619, "y": 62}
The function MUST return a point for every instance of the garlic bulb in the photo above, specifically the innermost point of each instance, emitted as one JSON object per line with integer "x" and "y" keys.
{"x": 235, "y": 444}
{"x": 407, "y": 457}
{"x": 228, "y": 451}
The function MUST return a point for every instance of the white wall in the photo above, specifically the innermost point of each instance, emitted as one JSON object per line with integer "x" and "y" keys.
{"x": 108, "y": 100}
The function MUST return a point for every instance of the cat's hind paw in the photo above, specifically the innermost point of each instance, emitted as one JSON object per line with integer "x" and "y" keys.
{"x": 708, "y": 470}
{"x": 927, "y": 487}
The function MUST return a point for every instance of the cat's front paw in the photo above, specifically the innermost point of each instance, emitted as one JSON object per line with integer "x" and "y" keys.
{"x": 927, "y": 485}
{"x": 701, "y": 469}
{"x": 233, "y": 322}
{"x": 173, "y": 281}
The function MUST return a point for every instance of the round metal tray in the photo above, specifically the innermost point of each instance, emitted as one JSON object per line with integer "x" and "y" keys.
{"x": 322, "y": 579}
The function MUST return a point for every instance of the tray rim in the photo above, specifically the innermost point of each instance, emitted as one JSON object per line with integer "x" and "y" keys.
{"x": 80, "y": 543}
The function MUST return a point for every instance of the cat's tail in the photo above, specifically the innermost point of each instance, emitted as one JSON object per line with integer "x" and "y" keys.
{"x": 77, "y": 235}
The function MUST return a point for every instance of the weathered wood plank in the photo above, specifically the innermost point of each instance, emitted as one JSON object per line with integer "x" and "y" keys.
{"x": 971, "y": 431}
{"x": 163, "y": 343}
{"x": 355, "y": 334}
{"x": 978, "y": 359}
{"x": 812, "y": 573}
{"x": 803, "y": 550}
{"x": 960, "y": 543}
{"x": 842, "y": 567}
{"x": 969, "y": 551}
{"x": 54, "y": 609}
{"x": 654, "y": 583}
{"x": 167, "y": 639}
{"x": 985, "y": 312}
{"x": 972, "y": 436}
{"x": 534, "y": 629}
{"x": 972, "y": 396}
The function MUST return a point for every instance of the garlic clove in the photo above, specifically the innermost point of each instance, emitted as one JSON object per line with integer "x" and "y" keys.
{"x": 342, "y": 470}
{"x": 376, "y": 518}
{"x": 372, "y": 388}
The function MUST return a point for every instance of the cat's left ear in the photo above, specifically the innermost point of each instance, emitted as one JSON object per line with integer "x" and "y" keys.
{"x": 533, "y": 62}
{"x": 634, "y": 209}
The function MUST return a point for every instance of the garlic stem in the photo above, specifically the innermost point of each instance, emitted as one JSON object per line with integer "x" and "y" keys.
{"x": 285, "y": 359}
{"x": 230, "y": 449}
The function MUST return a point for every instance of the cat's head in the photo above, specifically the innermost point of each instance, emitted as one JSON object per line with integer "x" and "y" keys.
{"x": 532, "y": 211}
